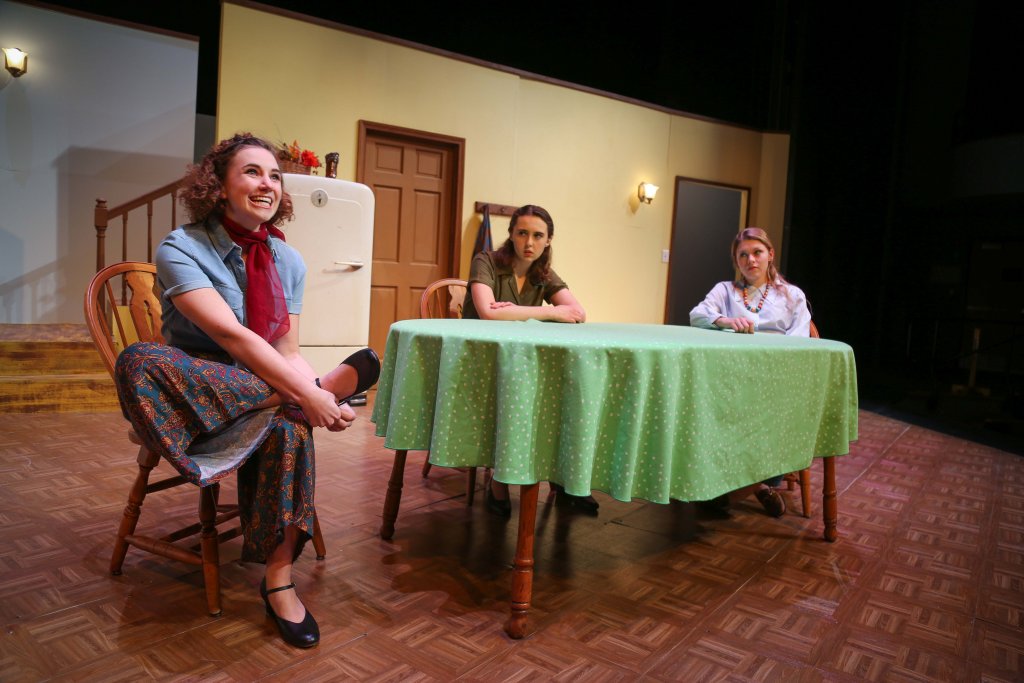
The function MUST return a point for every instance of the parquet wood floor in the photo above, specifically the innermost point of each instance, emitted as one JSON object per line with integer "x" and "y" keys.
{"x": 926, "y": 582}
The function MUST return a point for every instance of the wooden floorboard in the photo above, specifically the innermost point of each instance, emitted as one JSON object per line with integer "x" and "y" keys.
{"x": 926, "y": 582}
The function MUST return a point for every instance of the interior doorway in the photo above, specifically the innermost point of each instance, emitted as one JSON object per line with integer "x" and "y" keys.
{"x": 416, "y": 178}
{"x": 705, "y": 219}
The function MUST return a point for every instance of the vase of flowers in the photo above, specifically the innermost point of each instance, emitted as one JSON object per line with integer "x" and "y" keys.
{"x": 294, "y": 159}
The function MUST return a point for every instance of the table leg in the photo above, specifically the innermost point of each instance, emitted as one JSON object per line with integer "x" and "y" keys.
{"x": 394, "y": 496}
{"x": 829, "y": 504}
{"x": 522, "y": 572}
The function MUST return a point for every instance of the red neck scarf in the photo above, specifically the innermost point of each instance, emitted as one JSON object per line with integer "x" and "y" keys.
{"x": 266, "y": 311}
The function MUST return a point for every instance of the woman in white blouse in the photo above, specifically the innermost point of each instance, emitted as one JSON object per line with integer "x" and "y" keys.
{"x": 760, "y": 300}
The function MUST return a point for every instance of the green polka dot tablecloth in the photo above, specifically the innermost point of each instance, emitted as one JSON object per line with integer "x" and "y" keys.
{"x": 637, "y": 411}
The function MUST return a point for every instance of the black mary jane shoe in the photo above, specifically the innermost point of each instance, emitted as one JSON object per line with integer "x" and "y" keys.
{"x": 586, "y": 504}
{"x": 497, "y": 506}
{"x": 300, "y": 634}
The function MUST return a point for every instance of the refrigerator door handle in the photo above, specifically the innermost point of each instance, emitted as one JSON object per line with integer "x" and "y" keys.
{"x": 355, "y": 265}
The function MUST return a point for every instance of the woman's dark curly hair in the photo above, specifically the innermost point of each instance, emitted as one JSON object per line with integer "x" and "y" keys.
{"x": 505, "y": 255}
{"x": 204, "y": 182}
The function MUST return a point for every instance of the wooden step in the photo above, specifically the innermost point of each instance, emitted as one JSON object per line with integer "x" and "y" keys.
{"x": 63, "y": 393}
{"x": 52, "y": 368}
{"x": 49, "y": 357}
{"x": 44, "y": 332}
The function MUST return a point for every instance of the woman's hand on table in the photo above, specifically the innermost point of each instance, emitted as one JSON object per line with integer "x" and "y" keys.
{"x": 567, "y": 314}
{"x": 740, "y": 325}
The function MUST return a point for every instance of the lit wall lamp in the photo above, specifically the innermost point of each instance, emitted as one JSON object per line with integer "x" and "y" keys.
{"x": 15, "y": 61}
{"x": 646, "y": 192}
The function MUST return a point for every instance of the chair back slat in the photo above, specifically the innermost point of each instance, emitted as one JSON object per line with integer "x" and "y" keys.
{"x": 443, "y": 299}
{"x": 137, "y": 316}
{"x": 144, "y": 306}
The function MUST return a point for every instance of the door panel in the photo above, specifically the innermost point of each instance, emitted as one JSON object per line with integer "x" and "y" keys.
{"x": 386, "y": 224}
{"x": 429, "y": 164}
{"x": 425, "y": 250}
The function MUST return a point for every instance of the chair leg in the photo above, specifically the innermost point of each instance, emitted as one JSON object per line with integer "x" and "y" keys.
{"x": 318, "y": 539}
{"x": 470, "y": 485}
{"x": 426, "y": 466}
{"x": 210, "y": 548}
{"x": 132, "y": 510}
{"x": 805, "y": 491}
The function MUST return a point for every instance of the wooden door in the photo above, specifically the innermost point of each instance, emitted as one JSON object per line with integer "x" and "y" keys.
{"x": 416, "y": 179}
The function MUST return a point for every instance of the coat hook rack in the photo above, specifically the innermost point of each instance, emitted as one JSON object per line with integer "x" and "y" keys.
{"x": 495, "y": 209}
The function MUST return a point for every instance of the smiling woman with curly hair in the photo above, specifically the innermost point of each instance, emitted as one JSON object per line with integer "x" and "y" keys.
{"x": 201, "y": 191}
{"x": 232, "y": 292}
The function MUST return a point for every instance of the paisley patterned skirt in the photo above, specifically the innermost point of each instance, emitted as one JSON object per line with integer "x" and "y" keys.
{"x": 175, "y": 400}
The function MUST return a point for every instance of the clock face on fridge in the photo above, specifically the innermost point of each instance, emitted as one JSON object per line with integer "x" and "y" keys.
{"x": 319, "y": 198}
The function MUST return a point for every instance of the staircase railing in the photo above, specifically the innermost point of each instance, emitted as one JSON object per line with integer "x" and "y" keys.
{"x": 105, "y": 216}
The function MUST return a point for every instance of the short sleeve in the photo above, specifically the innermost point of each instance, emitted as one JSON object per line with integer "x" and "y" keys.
{"x": 482, "y": 270}
{"x": 178, "y": 267}
{"x": 553, "y": 286}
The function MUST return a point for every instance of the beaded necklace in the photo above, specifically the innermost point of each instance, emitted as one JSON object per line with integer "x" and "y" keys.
{"x": 760, "y": 304}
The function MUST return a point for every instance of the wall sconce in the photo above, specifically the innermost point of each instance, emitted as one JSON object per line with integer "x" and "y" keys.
{"x": 646, "y": 192}
{"x": 15, "y": 61}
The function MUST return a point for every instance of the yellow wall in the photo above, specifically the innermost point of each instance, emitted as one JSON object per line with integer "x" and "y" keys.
{"x": 579, "y": 155}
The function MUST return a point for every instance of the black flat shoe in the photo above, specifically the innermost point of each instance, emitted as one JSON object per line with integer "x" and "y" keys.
{"x": 584, "y": 503}
{"x": 367, "y": 366}
{"x": 497, "y": 506}
{"x": 773, "y": 502}
{"x": 366, "y": 363}
{"x": 300, "y": 634}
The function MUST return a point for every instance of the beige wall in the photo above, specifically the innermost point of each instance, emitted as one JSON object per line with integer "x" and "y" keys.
{"x": 579, "y": 155}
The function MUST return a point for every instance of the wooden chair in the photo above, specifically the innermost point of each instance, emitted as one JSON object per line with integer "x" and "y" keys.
{"x": 803, "y": 477}
{"x": 121, "y": 307}
{"x": 444, "y": 299}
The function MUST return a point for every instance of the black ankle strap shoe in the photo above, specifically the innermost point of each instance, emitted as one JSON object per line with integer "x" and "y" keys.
{"x": 304, "y": 633}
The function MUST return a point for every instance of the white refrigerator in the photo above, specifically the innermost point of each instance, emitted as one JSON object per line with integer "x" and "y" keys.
{"x": 333, "y": 230}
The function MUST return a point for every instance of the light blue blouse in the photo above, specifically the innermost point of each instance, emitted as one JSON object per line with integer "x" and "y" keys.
{"x": 203, "y": 255}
